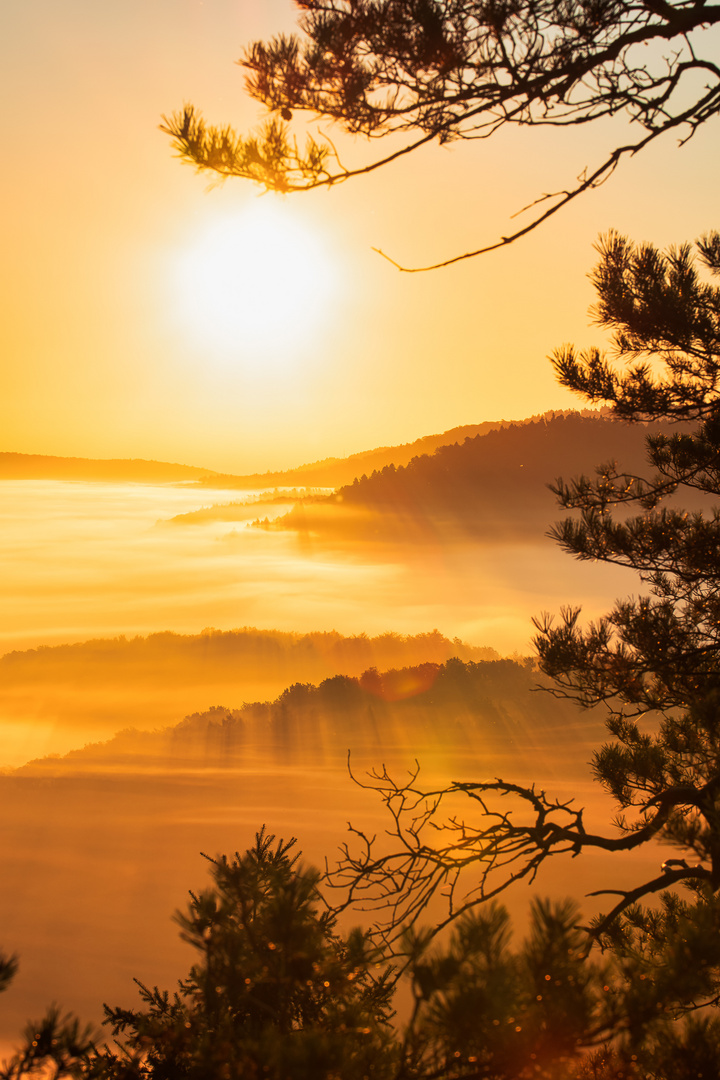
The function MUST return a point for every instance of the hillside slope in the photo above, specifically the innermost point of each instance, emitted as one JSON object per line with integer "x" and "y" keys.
{"x": 423, "y": 709}
{"x": 106, "y": 684}
{"x": 492, "y": 485}
{"x": 330, "y": 472}
{"x": 334, "y": 472}
{"x": 47, "y": 467}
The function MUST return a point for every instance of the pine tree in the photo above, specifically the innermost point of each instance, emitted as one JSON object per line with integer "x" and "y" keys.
{"x": 427, "y": 70}
{"x": 652, "y": 664}
{"x": 275, "y": 992}
{"x": 483, "y": 1009}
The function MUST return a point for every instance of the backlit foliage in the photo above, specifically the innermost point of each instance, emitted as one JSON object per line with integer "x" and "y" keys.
{"x": 652, "y": 664}
{"x": 443, "y": 70}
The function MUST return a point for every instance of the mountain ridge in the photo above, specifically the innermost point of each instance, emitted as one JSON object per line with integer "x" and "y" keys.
{"x": 451, "y": 704}
{"x": 17, "y": 466}
{"x": 326, "y": 472}
{"x": 336, "y": 472}
{"x": 493, "y": 484}
{"x": 104, "y": 684}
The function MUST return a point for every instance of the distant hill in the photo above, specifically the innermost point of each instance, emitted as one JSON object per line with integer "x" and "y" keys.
{"x": 43, "y": 467}
{"x": 492, "y": 485}
{"x": 334, "y": 472}
{"x": 454, "y": 705}
{"x": 330, "y": 472}
{"x": 279, "y": 656}
{"x": 110, "y": 683}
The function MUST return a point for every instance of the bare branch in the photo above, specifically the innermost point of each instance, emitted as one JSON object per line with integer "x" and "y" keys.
{"x": 378, "y": 67}
{"x": 514, "y": 830}
{"x": 585, "y": 183}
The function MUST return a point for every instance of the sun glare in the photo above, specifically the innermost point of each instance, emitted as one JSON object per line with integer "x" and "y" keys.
{"x": 256, "y": 284}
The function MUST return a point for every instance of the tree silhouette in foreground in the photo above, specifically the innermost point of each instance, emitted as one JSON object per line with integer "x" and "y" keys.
{"x": 275, "y": 992}
{"x": 653, "y": 664}
{"x": 56, "y": 1046}
{"x": 451, "y": 69}
{"x": 278, "y": 992}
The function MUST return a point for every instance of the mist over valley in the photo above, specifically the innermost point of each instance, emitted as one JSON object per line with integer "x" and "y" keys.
{"x": 187, "y": 656}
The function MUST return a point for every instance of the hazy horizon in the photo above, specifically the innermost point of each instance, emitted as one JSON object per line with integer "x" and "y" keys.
{"x": 134, "y": 815}
{"x": 164, "y": 329}
{"x": 133, "y": 328}
{"x": 96, "y": 560}
{"x": 105, "y": 598}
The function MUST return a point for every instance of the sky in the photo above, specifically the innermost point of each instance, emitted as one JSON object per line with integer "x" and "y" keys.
{"x": 143, "y": 315}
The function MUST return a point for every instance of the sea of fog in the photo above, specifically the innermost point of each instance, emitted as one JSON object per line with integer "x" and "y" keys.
{"x": 83, "y": 560}
{"x": 93, "y": 866}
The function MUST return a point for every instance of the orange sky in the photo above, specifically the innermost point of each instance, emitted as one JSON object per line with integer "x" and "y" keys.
{"x": 142, "y": 316}
{"x": 123, "y": 329}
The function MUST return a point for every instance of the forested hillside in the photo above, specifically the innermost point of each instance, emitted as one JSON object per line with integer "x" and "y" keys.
{"x": 493, "y": 707}
{"x": 106, "y": 684}
{"x": 491, "y": 485}
{"x": 333, "y": 472}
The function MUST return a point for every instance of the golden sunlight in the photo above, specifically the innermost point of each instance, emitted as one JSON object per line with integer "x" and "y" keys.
{"x": 256, "y": 284}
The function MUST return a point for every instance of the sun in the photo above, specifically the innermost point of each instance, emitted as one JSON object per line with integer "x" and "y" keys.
{"x": 256, "y": 284}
